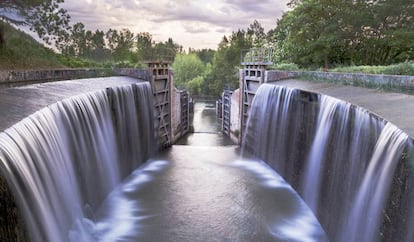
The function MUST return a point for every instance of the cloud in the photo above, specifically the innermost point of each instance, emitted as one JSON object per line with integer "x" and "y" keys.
{"x": 178, "y": 19}
{"x": 196, "y": 28}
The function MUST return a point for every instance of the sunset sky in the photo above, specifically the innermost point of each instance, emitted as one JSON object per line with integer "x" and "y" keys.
{"x": 191, "y": 23}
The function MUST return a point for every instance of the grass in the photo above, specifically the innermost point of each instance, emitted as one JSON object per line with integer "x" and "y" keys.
{"x": 406, "y": 68}
{"x": 21, "y": 51}
{"x": 285, "y": 67}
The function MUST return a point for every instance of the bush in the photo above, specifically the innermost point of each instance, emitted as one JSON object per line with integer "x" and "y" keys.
{"x": 286, "y": 67}
{"x": 406, "y": 68}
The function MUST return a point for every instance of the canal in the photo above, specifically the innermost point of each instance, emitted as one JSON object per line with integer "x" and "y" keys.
{"x": 202, "y": 190}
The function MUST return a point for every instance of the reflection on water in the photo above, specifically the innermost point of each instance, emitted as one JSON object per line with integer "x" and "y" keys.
{"x": 206, "y": 128}
{"x": 205, "y": 192}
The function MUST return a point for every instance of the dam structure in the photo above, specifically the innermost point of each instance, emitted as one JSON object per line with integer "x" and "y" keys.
{"x": 93, "y": 160}
{"x": 343, "y": 141}
{"x": 112, "y": 158}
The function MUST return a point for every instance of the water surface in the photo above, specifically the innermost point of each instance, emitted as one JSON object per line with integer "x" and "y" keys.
{"x": 204, "y": 191}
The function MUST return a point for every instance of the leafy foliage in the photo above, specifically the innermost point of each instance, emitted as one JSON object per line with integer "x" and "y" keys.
{"x": 330, "y": 32}
{"x": 50, "y": 22}
{"x": 186, "y": 68}
{"x": 406, "y": 68}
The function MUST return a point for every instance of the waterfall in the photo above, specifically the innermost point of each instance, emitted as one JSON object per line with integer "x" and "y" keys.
{"x": 62, "y": 161}
{"x": 341, "y": 159}
{"x": 314, "y": 165}
{"x": 366, "y": 214}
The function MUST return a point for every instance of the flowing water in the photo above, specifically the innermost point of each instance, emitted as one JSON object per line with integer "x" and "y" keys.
{"x": 201, "y": 190}
{"x": 62, "y": 161}
{"x": 341, "y": 158}
{"x": 67, "y": 163}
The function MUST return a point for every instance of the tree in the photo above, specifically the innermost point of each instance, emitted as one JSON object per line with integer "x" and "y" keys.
{"x": 50, "y": 22}
{"x": 186, "y": 68}
{"x": 21, "y": 7}
{"x": 78, "y": 40}
{"x": 97, "y": 50}
{"x": 226, "y": 63}
{"x": 167, "y": 50}
{"x": 1, "y": 36}
{"x": 120, "y": 44}
{"x": 330, "y": 32}
{"x": 46, "y": 18}
{"x": 144, "y": 45}
{"x": 257, "y": 34}
{"x": 205, "y": 55}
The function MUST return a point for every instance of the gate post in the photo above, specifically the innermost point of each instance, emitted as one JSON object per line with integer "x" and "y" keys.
{"x": 254, "y": 62}
{"x": 161, "y": 83}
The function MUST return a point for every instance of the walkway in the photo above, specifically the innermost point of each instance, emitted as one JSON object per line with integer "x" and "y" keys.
{"x": 397, "y": 108}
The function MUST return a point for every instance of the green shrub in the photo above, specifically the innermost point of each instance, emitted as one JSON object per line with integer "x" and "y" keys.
{"x": 286, "y": 67}
{"x": 406, "y": 68}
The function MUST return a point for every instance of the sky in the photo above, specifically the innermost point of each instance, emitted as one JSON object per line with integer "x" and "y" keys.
{"x": 191, "y": 23}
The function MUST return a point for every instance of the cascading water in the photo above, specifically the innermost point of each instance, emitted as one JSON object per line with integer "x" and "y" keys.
{"x": 62, "y": 161}
{"x": 314, "y": 165}
{"x": 338, "y": 156}
{"x": 366, "y": 216}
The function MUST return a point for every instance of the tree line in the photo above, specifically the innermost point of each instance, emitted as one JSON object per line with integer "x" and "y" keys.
{"x": 210, "y": 76}
{"x": 329, "y": 33}
{"x": 53, "y": 26}
{"x": 317, "y": 34}
{"x": 311, "y": 34}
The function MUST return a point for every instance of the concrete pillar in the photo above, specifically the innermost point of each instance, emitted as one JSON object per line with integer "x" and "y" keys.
{"x": 162, "y": 84}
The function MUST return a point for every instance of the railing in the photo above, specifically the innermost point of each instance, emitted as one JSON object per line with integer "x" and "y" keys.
{"x": 165, "y": 55}
{"x": 261, "y": 56}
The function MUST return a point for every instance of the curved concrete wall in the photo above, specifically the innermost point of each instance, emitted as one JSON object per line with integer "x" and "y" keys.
{"x": 18, "y": 103}
{"x": 366, "y": 91}
{"x": 332, "y": 200}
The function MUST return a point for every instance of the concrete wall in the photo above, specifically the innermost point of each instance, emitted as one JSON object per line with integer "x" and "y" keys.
{"x": 396, "y": 83}
{"x": 143, "y": 74}
{"x": 25, "y": 77}
{"x": 176, "y": 114}
{"x": 398, "y": 206}
{"x": 235, "y": 117}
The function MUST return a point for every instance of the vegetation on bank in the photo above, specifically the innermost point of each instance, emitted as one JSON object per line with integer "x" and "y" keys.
{"x": 20, "y": 51}
{"x": 406, "y": 68}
